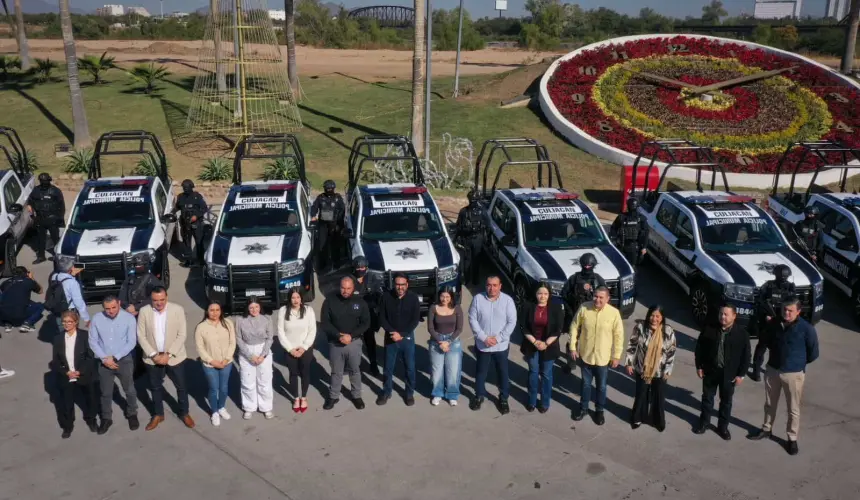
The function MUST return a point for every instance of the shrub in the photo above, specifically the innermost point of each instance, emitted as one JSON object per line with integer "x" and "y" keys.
{"x": 282, "y": 169}
{"x": 216, "y": 169}
{"x": 8, "y": 63}
{"x": 149, "y": 75}
{"x": 44, "y": 67}
{"x": 32, "y": 163}
{"x": 147, "y": 166}
{"x": 79, "y": 161}
{"x": 97, "y": 66}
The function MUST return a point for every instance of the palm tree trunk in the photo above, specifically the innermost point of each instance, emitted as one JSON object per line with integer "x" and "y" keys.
{"x": 851, "y": 38}
{"x": 220, "y": 75}
{"x": 23, "y": 48}
{"x": 79, "y": 114}
{"x": 418, "y": 78}
{"x": 290, "y": 33}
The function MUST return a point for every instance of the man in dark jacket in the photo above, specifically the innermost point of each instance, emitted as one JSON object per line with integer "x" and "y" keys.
{"x": 722, "y": 360}
{"x": 768, "y": 304}
{"x": 50, "y": 211}
{"x": 16, "y": 308}
{"x": 470, "y": 235}
{"x": 328, "y": 210}
{"x": 793, "y": 344}
{"x": 193, "y": 208}
{"x": 399, "y": 315}
{"x": 345, "y": 318}
{"x": 136, "y": 290}
{"x": 809, "y": 231}
{"x": 370, "y": 296}
{"x": 629, "y": 232}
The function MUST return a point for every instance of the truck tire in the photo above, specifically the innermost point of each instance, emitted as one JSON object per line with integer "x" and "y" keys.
{"x": 700, "y": 303}
{"x": 10, "y": 257}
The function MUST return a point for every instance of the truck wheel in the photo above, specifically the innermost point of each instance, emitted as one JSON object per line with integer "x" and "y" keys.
{"x": 10, "y": 257}
{"x": 699, "y": 303}
{"x": 165, "y": 269}
{"x": 520, "y": 293}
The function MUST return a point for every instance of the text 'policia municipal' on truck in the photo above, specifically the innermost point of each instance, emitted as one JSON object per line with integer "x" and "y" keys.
{"x": 397, "y": 227}
{"x": 838, "y": 252}
{"x": 262, "y": 240}
{"x": 538, "y": 234}
{"x": 116, "y": 218}
{"x": 16, "y": 184}
{"x": 718, "y": 246}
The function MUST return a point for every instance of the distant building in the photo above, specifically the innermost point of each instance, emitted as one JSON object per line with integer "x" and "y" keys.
{"x": 110, "y": 10}
{"x": 838, "y": 8}
{"x": 140, "y": 11}
{"x": 777, "y": 9}
{"x": 178, "y": 15}
{"x": 278, "y": 15}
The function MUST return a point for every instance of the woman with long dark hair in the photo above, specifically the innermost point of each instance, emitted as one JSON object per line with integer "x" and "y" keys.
{"x": 445, "y": 323}
{"x": 541, "y": 323}
{"x": 297, "y": 330}
{"x": 650, "y": 359}
{"x": 216, "y": 343}
{"x": 254, "y": 338}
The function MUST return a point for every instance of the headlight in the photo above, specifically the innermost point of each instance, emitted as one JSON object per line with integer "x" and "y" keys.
{"x": 149, "y": 252}
{"x": 743, "y": 293}
{"x": 555, "y": 287}
{"x": 628, "y": 283}
{"x": 292, "y": 267}
{"x": 447, "y": 274}
{"x": 217, "y": 271}
{"x": 818, "y": 289}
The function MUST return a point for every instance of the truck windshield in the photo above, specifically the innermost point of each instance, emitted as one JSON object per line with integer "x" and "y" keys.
{"x": 413, "y": 223}
{"x": 740, "y": 235}
{"x": 260, "y": 218}
{"x": 563, "y": 231}
{"x": 112, "y": 206}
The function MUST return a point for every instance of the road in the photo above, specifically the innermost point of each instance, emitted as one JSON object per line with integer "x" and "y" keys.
{"x": 398, "y": 452}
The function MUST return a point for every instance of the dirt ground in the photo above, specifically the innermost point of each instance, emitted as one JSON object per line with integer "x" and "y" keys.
{"x": 181, "y": 57}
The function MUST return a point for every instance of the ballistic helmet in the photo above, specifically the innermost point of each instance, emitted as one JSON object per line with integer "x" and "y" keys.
{"x": 187, "y": 185}
{"x": 632, "y": 205}
{"x": 473, "y": 195}
{"x": 359, "y": 261}
{"x": 140, "y": 262}
{"x": 588, "y": 261}
{"x": 329, "y": 186}
{"x": 782, "y": 272}
{"x": 811, "y": 212}
{"x": 45, "y": 179}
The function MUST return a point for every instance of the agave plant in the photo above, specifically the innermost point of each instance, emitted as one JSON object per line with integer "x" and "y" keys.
{"x": 147, "y": 166}
{"x": 215, "y": 169}
{"x": 282, "y": 169}
{"x": 8, "y": 63}
{"x": 27, "y": 162}
{"x": 44, "y": 67}
{"x": 97, "y": 66}
{"x": 149, "y": 75}
{"x": 79, "y": 161}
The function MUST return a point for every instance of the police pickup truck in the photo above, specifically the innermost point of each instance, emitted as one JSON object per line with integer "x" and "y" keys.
{"x": 398, "y": 227}
{"x": 262, "y": 241}
{"x": 115, "y": 218}
{"x": 720, "y": 247}
{"x": 15, "y": 187}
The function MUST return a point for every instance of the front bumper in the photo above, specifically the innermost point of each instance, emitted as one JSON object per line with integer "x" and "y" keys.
{"x": 264, "y": 283}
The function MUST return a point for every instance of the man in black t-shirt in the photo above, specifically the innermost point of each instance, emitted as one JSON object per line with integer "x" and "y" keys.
{"x": 16, "y": 308}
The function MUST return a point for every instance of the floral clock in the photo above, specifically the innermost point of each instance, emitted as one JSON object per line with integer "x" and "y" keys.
{"x": 747, "y": 102}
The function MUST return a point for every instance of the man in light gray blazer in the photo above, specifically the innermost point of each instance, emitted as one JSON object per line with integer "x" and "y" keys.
{"x": 161, "y": 333}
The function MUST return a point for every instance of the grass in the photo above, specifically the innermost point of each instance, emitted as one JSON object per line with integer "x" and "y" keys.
{"x": 335, "y": 111}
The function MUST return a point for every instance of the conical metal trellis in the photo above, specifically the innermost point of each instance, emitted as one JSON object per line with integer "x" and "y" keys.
{"x": 243, "y": 86}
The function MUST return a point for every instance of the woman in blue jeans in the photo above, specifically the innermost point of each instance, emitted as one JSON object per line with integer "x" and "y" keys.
{"x": 215, "y": 337}
{"x": 541, "y": 324}
{"x": 445, "y": 323}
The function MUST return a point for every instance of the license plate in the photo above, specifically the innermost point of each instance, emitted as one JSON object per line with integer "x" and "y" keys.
{"x": 254, "y": 293}
{"x": 105, "y": 282}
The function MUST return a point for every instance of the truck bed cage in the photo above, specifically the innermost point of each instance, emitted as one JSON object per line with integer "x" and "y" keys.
{"x": 129, "y": 142}
{"x": 833, "y": 155}
{"x": 396, "y": 147}
{"x": 704, "y": 159}
{"x": 506, "y": 146}
{"x": 17, "y": 158}
{"x": 275, "y": 146}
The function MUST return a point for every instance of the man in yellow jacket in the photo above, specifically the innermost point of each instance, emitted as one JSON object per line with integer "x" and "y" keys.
{"x": 597, "y": 338}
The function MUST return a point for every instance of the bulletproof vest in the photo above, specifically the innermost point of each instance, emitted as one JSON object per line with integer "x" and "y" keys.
{"x": 778, "y": 293}
{"x": 328, "y": 207}
{"x": 809, "y": 233}
{"x": 47, "y": 202}
{"x": 190, "y": 205}
{"x": 137, "y": 288}
{"x": 630, "y": 229}
{"x": 473, "y": 222}
{"x": 579, "y": 291}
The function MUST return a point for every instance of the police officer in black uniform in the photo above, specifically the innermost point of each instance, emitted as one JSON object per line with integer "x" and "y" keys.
{"x": 50, "y": 211}
{"x": 629, "y": 231}
{"x": 768, "y": 305}
{"x": 579, "y": 289}
{"x": 809, "y": 233}
{"x": 328, "y": 209}
{"x": 470, "y": 235}
{"x": 193, "y": 208}
{"x": 137, "y": 287}
{"x": 371, "y": 297}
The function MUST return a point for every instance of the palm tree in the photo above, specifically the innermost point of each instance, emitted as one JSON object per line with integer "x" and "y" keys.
{"x": 149, "y": 75}
{"x": 44, "y": 67}
{"x": 7, "y": 64}
{"x": 97, "y": 66}
{"x": 290, "y": 31}
{"x": 79, "y": 113}
{"x": 418, "y": 78}
{"x": 23, "y": 47}
{"x": 851, "y": 38}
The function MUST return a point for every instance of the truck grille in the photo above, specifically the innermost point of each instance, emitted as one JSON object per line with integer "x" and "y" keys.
{"x": 100, "y": 268}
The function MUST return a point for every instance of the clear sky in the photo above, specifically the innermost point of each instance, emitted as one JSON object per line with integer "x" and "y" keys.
{"x": 480, "y": 8}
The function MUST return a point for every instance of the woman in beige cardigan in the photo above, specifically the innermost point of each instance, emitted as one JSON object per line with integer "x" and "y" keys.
{"x": 216, "y": 343}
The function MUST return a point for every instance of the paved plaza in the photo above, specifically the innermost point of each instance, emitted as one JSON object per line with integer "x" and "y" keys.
{"x": 426, "y": 452}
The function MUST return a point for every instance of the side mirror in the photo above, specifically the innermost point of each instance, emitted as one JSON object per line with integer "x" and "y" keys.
{"x": 16, "y": 208}
{"x": 846, "y": 244}
{"x": 684, "y": 243}
{"x": 169, "y": 218}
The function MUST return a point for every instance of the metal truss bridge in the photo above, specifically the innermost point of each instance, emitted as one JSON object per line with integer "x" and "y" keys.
{"x": 388, "y": 16}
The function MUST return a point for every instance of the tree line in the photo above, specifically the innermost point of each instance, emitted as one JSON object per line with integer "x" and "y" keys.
{"x": 549, "y": 25}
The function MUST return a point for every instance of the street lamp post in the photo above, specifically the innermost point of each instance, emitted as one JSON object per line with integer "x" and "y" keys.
{"x": 429, "y": 84}
{"x": 457, "y": 66}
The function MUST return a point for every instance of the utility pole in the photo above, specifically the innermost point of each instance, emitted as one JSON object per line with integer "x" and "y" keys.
{"x": 162, "y": 10}
{"x": 429, "y": 85}
{"x": 851, "y": 38}
{"x": 457, "y": 66}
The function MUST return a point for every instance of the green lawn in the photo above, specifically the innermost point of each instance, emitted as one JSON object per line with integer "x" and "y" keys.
{"x": 335, "y": 110}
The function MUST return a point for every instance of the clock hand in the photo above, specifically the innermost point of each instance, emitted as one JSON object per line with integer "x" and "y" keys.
{"x": 739, "y": 80}
{"x": 663, "y": 79}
